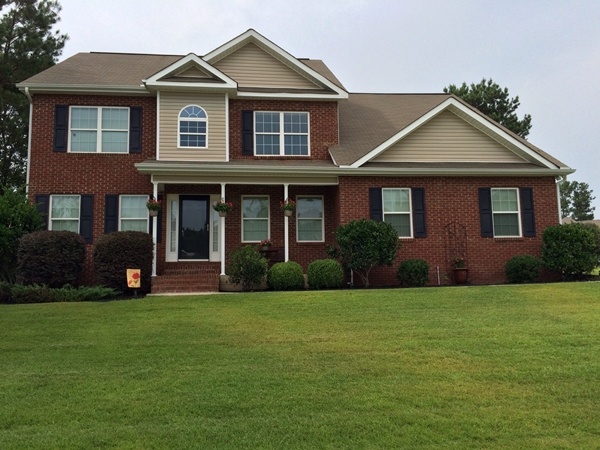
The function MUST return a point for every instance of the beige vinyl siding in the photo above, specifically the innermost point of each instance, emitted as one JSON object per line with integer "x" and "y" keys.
{"x": 251, "y": 66}
{"x": 448, "y": 138}
{"x": 193, "y": 72}
{"x": 215, "y": 107}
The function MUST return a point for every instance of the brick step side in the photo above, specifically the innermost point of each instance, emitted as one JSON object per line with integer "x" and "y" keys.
{"x": 206, "y": 282}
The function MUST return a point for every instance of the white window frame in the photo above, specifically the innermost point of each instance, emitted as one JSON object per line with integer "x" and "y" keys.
{"x": 282, "y": 133}
{"x": 322, "y": 218}
{"x": 78, "y": 218}
{"x": 517, "y": 212}
{"x": 99, "y": 130}
{"x": 192, "y": 119}
{"x": 390, "y": 213}
{"x": 121, "y": 219}
{"x": 268, "y": 219}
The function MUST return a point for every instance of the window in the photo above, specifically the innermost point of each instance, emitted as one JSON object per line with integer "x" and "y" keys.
{"x": 133, "y": 214}
{"x": 397, "y": 210}
{"x": 309, "y": 219}
{"x": 255, "y": 218}
{"x": 192, "y": 127}
{"x": 95, "y": 129}
{"x": 274, "y": 139}
{"x": 505, "y": 212}
{"x": 64, "y": 212}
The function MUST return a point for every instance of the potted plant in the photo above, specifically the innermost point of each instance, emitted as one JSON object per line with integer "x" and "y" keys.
{"x": 153, "y": 206}
{"x": 223, "y": 207}
{"x": 288, "y": 206}
{"x": 460, "y": 270}
{"x": 265, "y": 245}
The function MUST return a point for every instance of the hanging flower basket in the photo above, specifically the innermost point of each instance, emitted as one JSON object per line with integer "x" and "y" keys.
{"x": 265, "y": 245}
{"x": 223, "y": 207}
{"x": 287, "y": 206}
{"x": 153, "y": 206}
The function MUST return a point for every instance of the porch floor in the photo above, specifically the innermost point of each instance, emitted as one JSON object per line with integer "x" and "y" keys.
{"x": 187, "y": 277}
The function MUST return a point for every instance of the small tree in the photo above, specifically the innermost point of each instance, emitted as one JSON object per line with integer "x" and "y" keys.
{"x": 17, "y": 218}
{"x": 576, "y": 200}
{"x": 572, "y": 249}
{"x": 247, "y": 267}
{"x": 365, "y": 244}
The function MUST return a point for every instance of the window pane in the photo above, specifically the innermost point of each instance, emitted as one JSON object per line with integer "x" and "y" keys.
{"x": 133, "y": 206}
{"x": 255, "y": 229}
{"x": 504, "y": 200}
{"x": 267, "y": 144}
{"x": 65, "y": 225}
{"x": 296, "y": 145}
{"x": 267, "y": 122}
{"x": 192, "y": 127}
{"x": 134, "y": 225}
{"x": 310, "y": 230}
{"x": 115, "y": 119}
{"x": 506, "y": 225}
{"x": 295, "y": 123}
{"x": 255, "y": 207}
{"x": 401, "y": 223}
{"x": 114, "y": 142}
{"x": 84, "y": 118}
{"x": 309, "y": 207}
{"x": 396, "y": 200}
{"x": 83, "y": 141}
{"x": 193, "y": 111}
{"x": 65, "y": 207}
{"x": 187, "y": 140}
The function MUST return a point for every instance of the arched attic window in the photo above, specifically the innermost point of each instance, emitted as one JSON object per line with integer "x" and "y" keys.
{"x": 193, "y": 127}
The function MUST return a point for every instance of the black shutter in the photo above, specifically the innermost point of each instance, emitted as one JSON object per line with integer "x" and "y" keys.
{"x": 111, "y": 213}
{"x": 248, "y": 133}
{"x": 42, "y": 204}
{"x": 418, "y": 210}
{"x": 527, "y": 216}
{"x": 375, "y": 204}
{"x": 135, "y": 129}
{"x": 485, "y": 212}
{"x": 61, "y": 128}
{"x": 158, "y": 224}
{"x": 86, "y": 219}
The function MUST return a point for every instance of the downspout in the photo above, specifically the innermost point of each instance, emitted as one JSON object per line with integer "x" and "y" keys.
{"x": 286, "y": 230}
{"x": 559, "y": 180}
{"x": 154, "y": 231}
{"x": 28, "y": 95}
{"x": 222, "y": 229}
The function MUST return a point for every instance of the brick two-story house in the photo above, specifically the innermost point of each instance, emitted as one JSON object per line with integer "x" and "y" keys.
{"x": 252, "y": 124}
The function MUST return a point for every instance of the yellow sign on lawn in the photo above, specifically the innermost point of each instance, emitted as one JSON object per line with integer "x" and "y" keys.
{"x": 133, "y": 278}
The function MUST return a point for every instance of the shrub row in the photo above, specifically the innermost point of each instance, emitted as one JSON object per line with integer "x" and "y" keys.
{"x": 35, "y": 293}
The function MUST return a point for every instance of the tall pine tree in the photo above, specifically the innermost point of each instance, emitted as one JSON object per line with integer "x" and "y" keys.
{"x": 28, "y": 45}
{"x": 576, "y": 200}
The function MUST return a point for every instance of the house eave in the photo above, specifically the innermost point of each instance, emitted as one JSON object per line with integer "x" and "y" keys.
{"x": 82, "y": 89}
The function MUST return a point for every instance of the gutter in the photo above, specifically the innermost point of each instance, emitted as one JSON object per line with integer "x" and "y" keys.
{"x": 82, "y": 88}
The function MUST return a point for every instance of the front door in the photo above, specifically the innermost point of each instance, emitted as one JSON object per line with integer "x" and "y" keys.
{"x": 194, "y": 227}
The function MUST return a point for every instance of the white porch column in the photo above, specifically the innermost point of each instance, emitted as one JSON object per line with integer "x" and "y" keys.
{"x": 286, "y": 228}
{"x": 222, "y": 228}
{"x": 154, "y": 230}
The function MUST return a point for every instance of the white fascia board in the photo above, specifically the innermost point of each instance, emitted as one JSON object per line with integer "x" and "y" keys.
{"x": 81, "y": 89}
{"x": 154, "y": 80}
{"x": 290, "y": 96}
{"x": 257, "y": 38}
{"x": 451, "y": 104}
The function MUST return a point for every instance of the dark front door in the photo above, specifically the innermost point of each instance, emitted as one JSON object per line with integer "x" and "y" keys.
{"x": 194, "y": 228}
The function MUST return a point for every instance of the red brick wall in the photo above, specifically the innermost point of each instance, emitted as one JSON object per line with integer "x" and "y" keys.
{"x": 323, "y": 125}
{"x": 454, "y": 200}
{"x": 77, "y": 173}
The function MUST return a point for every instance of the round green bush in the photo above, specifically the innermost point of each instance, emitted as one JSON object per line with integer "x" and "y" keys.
{"x": 522, "y": 269}
{"x": 247, "y": 267}
{"x": 325, "y": 274}
{"x": 571, "y": 249}
{"x": 51, "y": 258}
{"x": 413, "y": 273}
{"x": 286, "y": 276}
{"x": 116, "y": 252}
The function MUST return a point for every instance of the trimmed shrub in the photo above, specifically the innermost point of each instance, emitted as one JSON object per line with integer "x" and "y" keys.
{"x": 34, "y": 293}
{"x": 325, "y": 274}
{"x": 116, "y": 252}
{"x": 52, "y": 258}
{"x": 522, "y": 269}
{"x": 571, "y": 249}
{"x": 286, "y": 276}
{"x": 413, "y": 273}
{"x": 43, "y": 294}
{"x": 247, "y": 267}
{"x": 5, "y": 292}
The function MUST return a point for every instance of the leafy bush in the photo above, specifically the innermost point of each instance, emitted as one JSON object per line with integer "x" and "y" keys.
{"x": 5, "y": 292}
{"x": 286, "y": 276}
{"x": 522, "y": 269}
{"x": 571, "y": 249}
{"x": 52, "y": 258}
{"x": 43, "y": 294}
{"x": 413, "y": 273}
{"x": 247, "y": 267}
{"x": 116, "y": 252}
{"x": 365, "y": 244}
{"x": 17, "y": 218}
{"x": 325, "y": 274}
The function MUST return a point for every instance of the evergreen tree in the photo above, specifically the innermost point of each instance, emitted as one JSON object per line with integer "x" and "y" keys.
{"x": 28, "y": 45}
{"x": 576, "y": 200}
{"x": 493, "y": 101}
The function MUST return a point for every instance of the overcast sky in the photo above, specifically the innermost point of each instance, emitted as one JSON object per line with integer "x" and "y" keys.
{"x": 547, "y": 52}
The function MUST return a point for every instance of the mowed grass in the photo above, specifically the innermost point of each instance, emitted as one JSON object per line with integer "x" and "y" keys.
{"x": 470, "y": 367}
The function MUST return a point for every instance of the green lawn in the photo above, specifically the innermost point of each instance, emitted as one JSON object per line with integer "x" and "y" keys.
{"x": 475, "y": 367}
